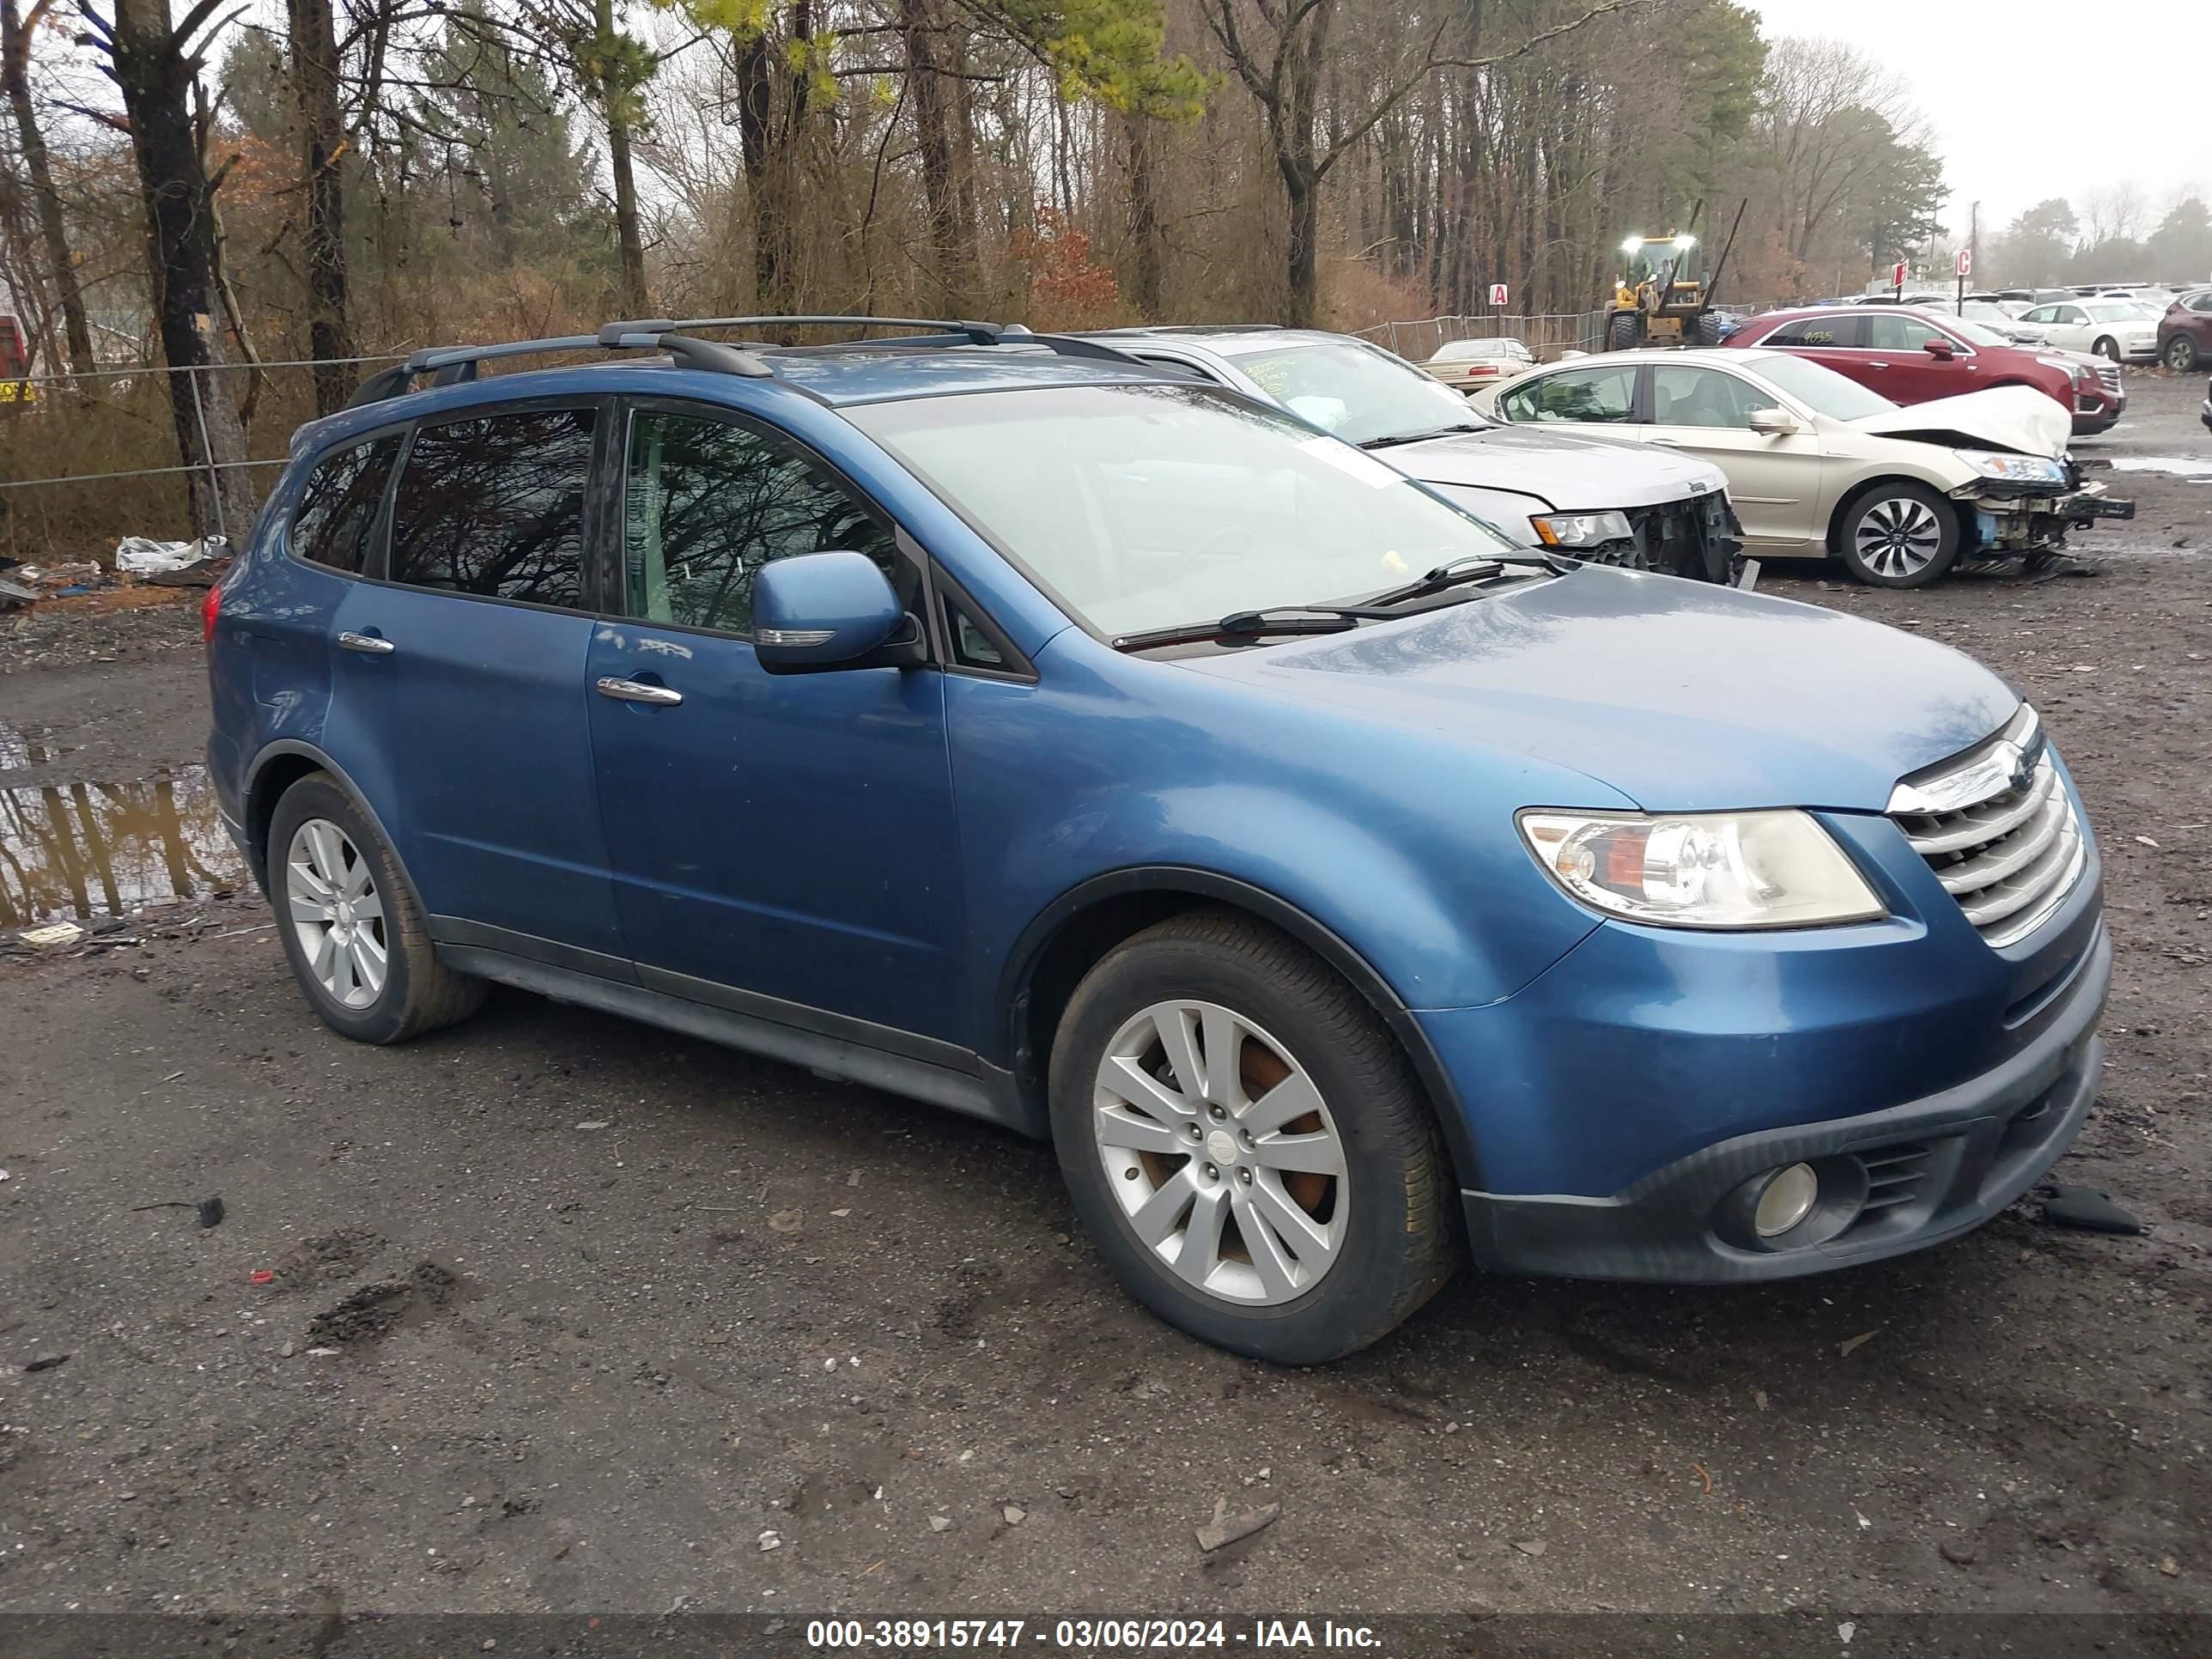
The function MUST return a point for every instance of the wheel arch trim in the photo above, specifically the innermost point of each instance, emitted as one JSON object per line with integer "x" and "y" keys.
{"x": 257, "y": 818}
{"x": 1021, "y": 964}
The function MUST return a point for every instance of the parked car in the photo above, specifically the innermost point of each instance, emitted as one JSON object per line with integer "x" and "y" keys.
{"x": 1114, "y": 757}
{"x": 1911, "y": 355}
{"x": 2206, "y": 412}
{"x": 2184, "y": 332}
{"x": 1818, "y": 465}
{"x": 2115, "y": 330}
{"x": 1463, "y": 365}
{"x": 1593, "y": 497}
{"x": 2003, "y": 323}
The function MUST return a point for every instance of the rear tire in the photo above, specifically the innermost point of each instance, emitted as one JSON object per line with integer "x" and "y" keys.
{"x": 1896, "y": 533}
{"x": 351, "y": 927}
{"x": 2108, "y": 349}
{"x": 1624, "y": 331}
{"x": 2181, "y": 354}
{"x": 1709, "y": 328}
{"x": 1295, "y": 1239}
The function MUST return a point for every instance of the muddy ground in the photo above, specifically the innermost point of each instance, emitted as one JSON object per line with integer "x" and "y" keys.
{"x": 568, "y": 1314}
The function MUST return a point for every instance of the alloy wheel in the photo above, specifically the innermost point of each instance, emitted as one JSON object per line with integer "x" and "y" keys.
{"x": 330, "y": 897}
{"x": 1221, "y": 1152}
{"x": 1898, "y": 537}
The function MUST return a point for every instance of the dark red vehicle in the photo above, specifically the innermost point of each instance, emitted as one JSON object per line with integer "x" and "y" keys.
{"x": 2184, "y": 333}
{"x": 1914, "y": 356}
{"x": 14, "y": 363}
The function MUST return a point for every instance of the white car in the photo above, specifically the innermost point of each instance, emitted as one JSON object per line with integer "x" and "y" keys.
{"x": 1468, "y": 365}
{"x": 1588, "y": 494}
{"x": 1818, "y": 465}
{"x": 2005, "y": 325}
{"x": 2118, "y": 330}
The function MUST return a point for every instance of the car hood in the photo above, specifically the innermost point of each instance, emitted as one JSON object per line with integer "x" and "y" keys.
{"x": 2014, "y": 417}
{"x": 1573, "y": 472}
{"x": 1682, "y": 695}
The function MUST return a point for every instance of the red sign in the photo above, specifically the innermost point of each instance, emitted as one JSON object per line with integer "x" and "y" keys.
{"x": 1965, "y": 262}
{"x": 1897, "y": 275}
{"x": 1498, "y": 294}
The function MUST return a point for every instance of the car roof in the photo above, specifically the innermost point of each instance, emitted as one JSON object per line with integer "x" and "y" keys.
{"x": 1230, "y": 339}
{"x": 1718, "y": 357}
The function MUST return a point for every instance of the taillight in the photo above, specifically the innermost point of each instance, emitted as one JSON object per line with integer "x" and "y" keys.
{"x": 210, "y": 608}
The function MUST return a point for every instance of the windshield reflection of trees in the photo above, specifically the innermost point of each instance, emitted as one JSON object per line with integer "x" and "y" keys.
{"x": 84, "y": 850}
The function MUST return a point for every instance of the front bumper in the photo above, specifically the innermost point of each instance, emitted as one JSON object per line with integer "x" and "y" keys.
{"x": 1697, "y": 536}
{"x": 1913, "y": 1175}
{"x": 2008, "y": 520}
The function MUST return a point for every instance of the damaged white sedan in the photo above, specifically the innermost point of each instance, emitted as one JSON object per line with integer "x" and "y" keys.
{"x": 1818, "y": 466}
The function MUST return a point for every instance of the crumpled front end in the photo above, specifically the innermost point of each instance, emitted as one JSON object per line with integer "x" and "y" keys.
{"x": 2006, "y": 518}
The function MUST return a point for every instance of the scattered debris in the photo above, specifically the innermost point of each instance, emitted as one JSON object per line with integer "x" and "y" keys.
{"x": 593, "y": 1123}
{"x": 56, "y": 934}
{"x": 1226, "y": 1528}
{"x": 1698, "y": 1469}
{"x": 2086, "y": 1208}
{"x": 1758, "y": 1398}
{"x": 262, "y": 1276}
{"x": 1531, "y": 1546}
{"x": 142, "y": 556}
{"x": 375, "y": 1310}
{"x": 46, "y": 1361}
{"x": 173, "y": 1077}
{"x": 2170, "y": 1567}
{"x": 938, "y": 1524}
{"x": 1845, "y": 1349}
{"x": 210, "y": 1210}
{"x": 320, "y": 1353}
{"x": 1856, "y": 1515}
{"x": 1959, "y": 1552}
{"x": 1015, "y": 1514}
{"x": 1845, "y": 1630}
{"x": 786, "y": 1221}
{"x": 4, "y": 1174}
{"x": 14, "y": 598}
{"x": 288, "y": 1351}
{"x": 840, "y": 1212}
{"x": 2146, "y": 840}
{"x": 770, "y": 1540}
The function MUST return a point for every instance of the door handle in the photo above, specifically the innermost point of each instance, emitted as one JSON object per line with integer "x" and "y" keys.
{"x": 638, "y": 691}
{"x": 1668, "y": 443}
{"x": 1877, "y": 365}
{"x": 374, "y": 645}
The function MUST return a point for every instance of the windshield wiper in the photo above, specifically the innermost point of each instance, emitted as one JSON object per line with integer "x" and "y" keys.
{"x": 1289, "y": 619}
{"x": 1458, "y": 572}
{"x": 1391, "y": 439}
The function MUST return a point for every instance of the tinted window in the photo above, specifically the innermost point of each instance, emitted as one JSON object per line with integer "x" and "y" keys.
{"x": 337, "y": 509}
{"x": 2199, "y": 301}
{"x": 1830, "y": 332}
{"x": 971, "y": 647}
{"x": 1579, "y": 394}
{"x": 1702, "y": 397}
{"x": 706, "y": 502}
{"x": 495, "y": 507}
{"x": 1900, "y": 333}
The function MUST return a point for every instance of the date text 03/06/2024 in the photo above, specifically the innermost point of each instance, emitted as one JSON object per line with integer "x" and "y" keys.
{"x": 1090, "y": 1634}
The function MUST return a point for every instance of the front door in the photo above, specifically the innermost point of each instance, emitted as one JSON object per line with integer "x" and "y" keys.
{"x": 789, "y": 838}
{"x": 458, "y": 684}
{"x": 1900, "y": 341}
{"x": 1775, "y": 482}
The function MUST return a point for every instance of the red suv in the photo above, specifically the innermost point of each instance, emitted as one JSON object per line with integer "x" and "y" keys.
{"x": 1911, "y": 356}
{"x": 2184, "y": 333}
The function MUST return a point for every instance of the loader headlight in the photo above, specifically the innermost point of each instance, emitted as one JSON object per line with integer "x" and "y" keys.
{"x": 2021, "y": 469}
{"x": 1774, "y": 869}
{"x": 1580, "y": 529}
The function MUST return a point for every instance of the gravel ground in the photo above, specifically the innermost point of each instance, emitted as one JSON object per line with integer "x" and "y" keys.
{"x": 567, "y": 1314}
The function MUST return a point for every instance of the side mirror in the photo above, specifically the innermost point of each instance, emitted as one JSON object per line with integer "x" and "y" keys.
{"x": 818, "y": 611}
{"x": 1772, "y": 423}
{"x": 1940, "y": 348}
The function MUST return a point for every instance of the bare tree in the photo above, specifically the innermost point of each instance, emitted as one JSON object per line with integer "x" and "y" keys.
{"x": 16, "y": 35}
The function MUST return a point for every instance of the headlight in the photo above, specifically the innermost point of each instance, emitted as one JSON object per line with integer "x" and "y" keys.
{"x": 1702, "y": 869}
{"x": 2022, "y": 468}
{"x": 1580, "y": 529}
{"x": 2074, "y": 371}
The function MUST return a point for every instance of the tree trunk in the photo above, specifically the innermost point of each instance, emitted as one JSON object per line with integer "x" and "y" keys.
{"x": 1302, "y": 303}
{"x": 758, "y": 149}
{"x": 322, "y": 126}
{"x": 615, "y": 95}
{"x": 54, "y": 230}
{"x": 950, "y": 238}
{"x": 1147, "y": 254}
{"x": 154, "y": 78}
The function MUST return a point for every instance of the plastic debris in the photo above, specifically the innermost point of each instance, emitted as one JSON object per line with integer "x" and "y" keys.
{"x": 46, "y": 1361}
{"x": 262, "y": 1276}
{"x": 1844, "y": 1350}
{"x": 2086, "y": 1208}
{"x": 60, "y": 932}
{"x": 1226, "y": 1528}
{"x": 142, "y": 556}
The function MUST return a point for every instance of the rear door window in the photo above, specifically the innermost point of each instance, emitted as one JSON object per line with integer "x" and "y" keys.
{"x": 1603, "y": 395}
{"x": 494, "y": 507}
{"x": 335, "y": 523}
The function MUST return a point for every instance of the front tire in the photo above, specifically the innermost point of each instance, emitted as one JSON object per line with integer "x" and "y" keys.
{"x": 1624, "y": 330}
{"x": 1896, "y": 534}
{"x": 1246, "y": 1145}
{"x": 350, "y": 926}
{"x": 2181, "y": 354}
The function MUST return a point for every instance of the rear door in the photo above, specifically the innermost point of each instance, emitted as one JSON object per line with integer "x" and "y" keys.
{"x": 1834, "y": 341}
{"x": 1774, "y": 482}
{"x": 458, "y": 687}
{"x": 782, "y": 845}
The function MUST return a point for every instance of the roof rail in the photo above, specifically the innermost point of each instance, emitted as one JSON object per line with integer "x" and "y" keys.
{"x": 1196, "y": 328}
{"x": 943, "y": 333}
{"x": 457, "y": 365}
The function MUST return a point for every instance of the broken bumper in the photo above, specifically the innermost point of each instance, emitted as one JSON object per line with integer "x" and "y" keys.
{"x": 2006, "y": 522}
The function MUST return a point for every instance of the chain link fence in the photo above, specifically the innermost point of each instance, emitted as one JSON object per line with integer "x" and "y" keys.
{"x": 1548, "y": 336}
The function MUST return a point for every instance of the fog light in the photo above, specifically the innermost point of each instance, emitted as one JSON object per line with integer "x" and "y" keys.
{"x": 1787, "y": 1199}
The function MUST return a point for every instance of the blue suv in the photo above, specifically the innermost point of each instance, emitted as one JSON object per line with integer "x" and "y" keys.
{"x": 986, "y": 717}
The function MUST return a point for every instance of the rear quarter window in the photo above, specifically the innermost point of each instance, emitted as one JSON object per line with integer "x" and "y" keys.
{"x": 334, "y": 525}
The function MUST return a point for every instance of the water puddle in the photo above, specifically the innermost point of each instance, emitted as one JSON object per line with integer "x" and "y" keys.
{"x": 2197, "y": 470}
{"x": 22, "y": 745}
{"x": 82, "y": 851}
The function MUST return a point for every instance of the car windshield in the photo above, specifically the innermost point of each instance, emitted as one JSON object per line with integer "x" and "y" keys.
{"x": 1973, "y": 333}
{"x": 1982, "y": 311}
{"x": 2117, "y": 310}
{"x": 1147, "y": 506}
{"x": 1821, "y": 389}
{"x": 1361, "y": 393}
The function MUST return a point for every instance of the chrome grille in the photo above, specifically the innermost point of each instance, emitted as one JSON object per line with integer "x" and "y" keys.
{"x": 1999, "y": 830}
{"x": 2110, "y": 375}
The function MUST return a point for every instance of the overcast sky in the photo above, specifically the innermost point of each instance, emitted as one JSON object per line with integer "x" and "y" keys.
{"x": 2027, "y": 98}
